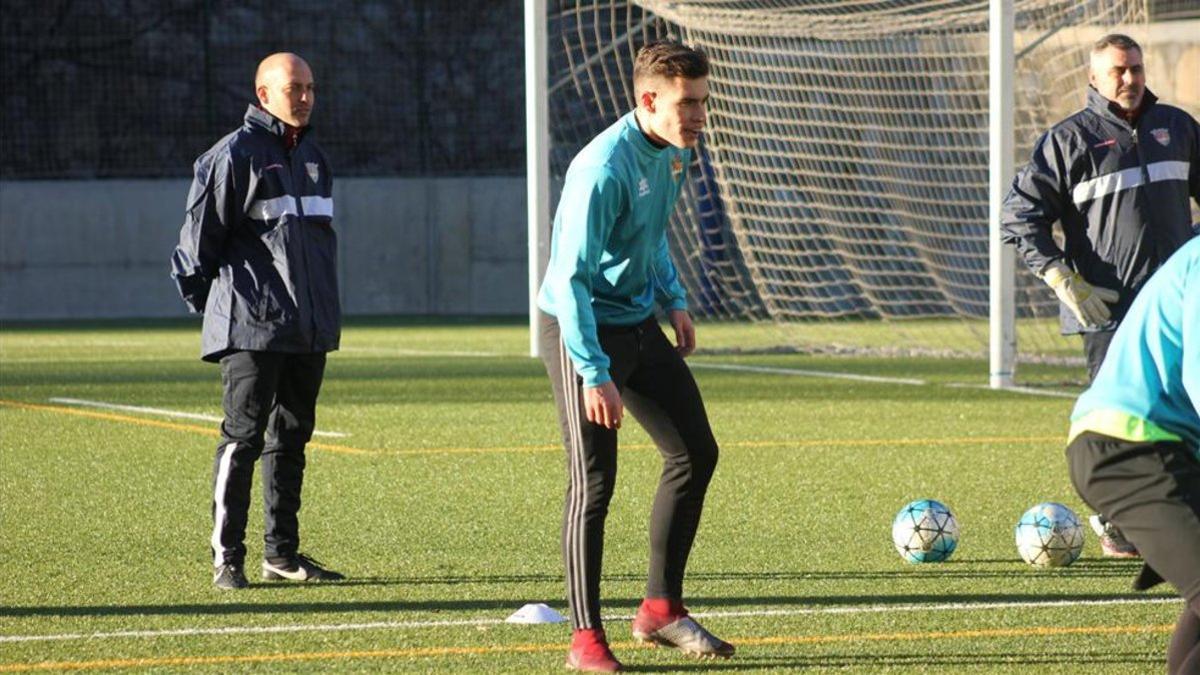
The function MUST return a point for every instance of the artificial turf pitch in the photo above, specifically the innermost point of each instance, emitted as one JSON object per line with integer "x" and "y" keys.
{"x": 443, "y": 505}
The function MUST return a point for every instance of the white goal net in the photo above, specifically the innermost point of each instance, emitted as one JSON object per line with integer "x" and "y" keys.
{"x": 840, "y": 192}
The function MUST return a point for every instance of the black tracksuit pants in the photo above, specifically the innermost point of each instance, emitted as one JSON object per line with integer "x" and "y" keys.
{"x": 1151, "y": 490}
{"x": 658, "y": 390}
{"x": 1095, "y": 347}
{"x": 270, "y": 410}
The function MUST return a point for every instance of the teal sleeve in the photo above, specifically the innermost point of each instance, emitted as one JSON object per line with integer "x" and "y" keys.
{"x": 591, "y": 201}
{"x": 1190, "y": 350}
{"x": 667, "y": 289}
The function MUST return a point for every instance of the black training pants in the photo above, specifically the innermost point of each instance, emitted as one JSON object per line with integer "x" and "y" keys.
{"x": 658, "y": 390}
{"x": 270, "y": 410}
{"x": 1151, "y": 490}
{"x": 1095, "y": 347}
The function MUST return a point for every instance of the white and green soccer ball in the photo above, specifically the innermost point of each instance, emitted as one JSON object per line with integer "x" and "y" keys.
{"x": 1049, "y": 535}
{"x": 925, "y": 531}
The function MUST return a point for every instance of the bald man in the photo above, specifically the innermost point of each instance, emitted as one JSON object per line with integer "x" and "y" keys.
{"x": 257, "y": 257}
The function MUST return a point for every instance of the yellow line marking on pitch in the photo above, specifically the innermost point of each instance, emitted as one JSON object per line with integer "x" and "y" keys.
{"x": 424, "y": 652}
{"x": 796, "y": 443}
{"x": 174, "y": 426}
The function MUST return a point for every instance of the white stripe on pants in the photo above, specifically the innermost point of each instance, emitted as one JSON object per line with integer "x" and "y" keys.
{"x": 219, "y": 490}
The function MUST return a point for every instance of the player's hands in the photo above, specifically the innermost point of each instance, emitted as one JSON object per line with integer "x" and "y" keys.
{"x": 1086, "y": 301}
{"x": 685, "y": 331}
{"x": 603, "y": 405}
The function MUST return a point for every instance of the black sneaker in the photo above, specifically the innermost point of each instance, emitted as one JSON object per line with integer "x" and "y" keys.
{"x": 230, "y": 577}
{"x": 298, "y": 567}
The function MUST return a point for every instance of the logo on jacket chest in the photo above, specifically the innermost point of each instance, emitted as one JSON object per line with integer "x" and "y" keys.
{"x": 314, "y": 171}
{"x": 1162, "y": 135}
{"x": 643, "y": 187}
{"x": 676, "y": 168}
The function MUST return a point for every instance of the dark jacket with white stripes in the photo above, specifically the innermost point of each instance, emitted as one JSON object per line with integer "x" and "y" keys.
{"x": 257, "y": 252}
{"x": 1121, "y": 194}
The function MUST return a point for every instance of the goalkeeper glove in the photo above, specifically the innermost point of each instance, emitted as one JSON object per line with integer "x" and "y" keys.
{"x": 1086, "y": 302}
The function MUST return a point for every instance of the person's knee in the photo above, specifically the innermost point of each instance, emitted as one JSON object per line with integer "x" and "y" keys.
{"x": 704, "y": 457}
{"x": 246, "y": 449}
{"x": 597, "y": 486}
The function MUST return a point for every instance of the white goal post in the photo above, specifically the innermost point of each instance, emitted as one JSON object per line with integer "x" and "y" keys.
{"x": 844, "y": 196}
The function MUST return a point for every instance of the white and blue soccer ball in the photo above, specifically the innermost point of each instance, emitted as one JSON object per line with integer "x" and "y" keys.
{"x": 925, "y": 531}
{"x": 1049, "y": 535}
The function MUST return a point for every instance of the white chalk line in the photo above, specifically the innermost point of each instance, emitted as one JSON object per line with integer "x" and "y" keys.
{"x": 1032, "y": 391}
{"x": 485, "y": 621}
{"x": 773, "y": 370}
{"x": 807, "y": 373}
{"x": 395, "y": 351}
{"x": 164, "y": 413}
{"x": 734, "y": 367}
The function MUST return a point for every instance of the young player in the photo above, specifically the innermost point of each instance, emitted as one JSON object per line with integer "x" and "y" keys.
{"x": 1134, "y": 449}
{"x": 604, "y": 351}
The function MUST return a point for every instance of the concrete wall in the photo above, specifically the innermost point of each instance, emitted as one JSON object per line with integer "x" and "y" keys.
{"x": 1172, "y": 60}
{"x": 101, "y": 249}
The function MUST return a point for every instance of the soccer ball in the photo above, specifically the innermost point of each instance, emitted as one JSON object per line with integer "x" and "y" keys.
{"x": 925, "y": 531}
{"x": 1049, "y": 535}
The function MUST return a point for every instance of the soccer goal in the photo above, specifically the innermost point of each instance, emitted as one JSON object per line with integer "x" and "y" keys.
{"x": 840, "y": 195}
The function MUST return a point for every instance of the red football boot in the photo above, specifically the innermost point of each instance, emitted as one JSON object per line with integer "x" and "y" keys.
{"x": 590, "y": 652}
{"x": 666, "y": 622}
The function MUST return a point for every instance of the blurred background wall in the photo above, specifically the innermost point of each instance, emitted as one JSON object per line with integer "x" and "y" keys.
{"x": 108, "y": 102}
{"x": 420, "y": 108}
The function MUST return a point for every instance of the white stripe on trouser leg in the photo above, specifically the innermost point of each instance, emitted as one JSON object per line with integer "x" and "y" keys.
{"x": 570, "y": 533}
{"x": 569, "y": 516}
{"x": 576, "y": 536}
{"x": 581, "y": 474}
{"x": 221, "y": 484}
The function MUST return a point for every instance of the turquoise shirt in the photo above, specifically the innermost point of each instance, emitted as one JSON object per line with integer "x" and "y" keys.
{"x": 1149, "y": 384}
{"x": 608, "y": 253}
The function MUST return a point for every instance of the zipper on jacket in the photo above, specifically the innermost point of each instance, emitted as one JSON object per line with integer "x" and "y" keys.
{"x": 1141, "y": 193}
{"x": 1141, "y": 158}
{"x": 302, "y": 232}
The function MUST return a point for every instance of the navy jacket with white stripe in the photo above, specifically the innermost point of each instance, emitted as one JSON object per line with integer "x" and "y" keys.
{"x": 257, "y": 252}
{"x": 1121, "y": 194}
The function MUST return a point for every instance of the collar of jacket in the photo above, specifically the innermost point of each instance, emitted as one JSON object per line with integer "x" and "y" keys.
{"x": 257, "y": 118}
{"x": 1107, "y": 109}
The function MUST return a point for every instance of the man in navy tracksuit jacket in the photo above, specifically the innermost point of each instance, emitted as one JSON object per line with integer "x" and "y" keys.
{"x": 257, "y": 256}
{"x": 1117, "y": 175}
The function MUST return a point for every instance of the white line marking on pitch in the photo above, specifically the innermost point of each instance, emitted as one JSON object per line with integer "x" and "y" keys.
{"x": 1032, "y": 391}
{"x": 427, "y": 352}
{"x": 164, "y": 412}
{"x": 807, "y": 373}
{"x": 376, "y": 625}
{"x": 249, "y": 630}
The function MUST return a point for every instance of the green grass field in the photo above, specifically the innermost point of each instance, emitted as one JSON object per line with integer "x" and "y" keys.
{"x": 443, "y": 505}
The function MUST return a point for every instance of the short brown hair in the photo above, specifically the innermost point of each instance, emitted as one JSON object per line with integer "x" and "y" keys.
{"x": 669, "y": 59}
{"x": 1118, "y": 40}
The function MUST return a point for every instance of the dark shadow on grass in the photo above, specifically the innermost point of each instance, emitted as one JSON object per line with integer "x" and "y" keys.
{"x": 968, "y": 569}
{"x": 234, "y": 608}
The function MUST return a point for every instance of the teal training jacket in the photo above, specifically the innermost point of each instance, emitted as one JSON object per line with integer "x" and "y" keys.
{"x": 1149, "y": 384}
{"x": 608, "y": 254}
